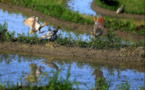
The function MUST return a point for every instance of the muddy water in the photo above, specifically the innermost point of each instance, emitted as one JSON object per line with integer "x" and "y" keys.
{"x": 15, "y": 20}
{"x": 81, "y": 6}
{"x": 20, "y": 68}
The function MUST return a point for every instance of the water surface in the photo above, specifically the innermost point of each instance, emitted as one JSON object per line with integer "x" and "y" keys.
{"x": 81, "y": 6}
{"x": 15, "y": 67}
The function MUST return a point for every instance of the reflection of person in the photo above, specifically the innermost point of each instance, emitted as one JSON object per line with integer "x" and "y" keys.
{"x": 98, "y": 74}
{"x": 34, "y": 74}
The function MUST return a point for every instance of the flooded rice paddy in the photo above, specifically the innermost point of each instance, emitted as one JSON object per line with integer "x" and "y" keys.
{"x": 15, "y": 23}
{"x": 81, "y": 6}
{"x": 17, "y": 68}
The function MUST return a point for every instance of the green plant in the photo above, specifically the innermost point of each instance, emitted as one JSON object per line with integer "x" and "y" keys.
{"x": 55, "y": 83}
{"x": 115, "y": 4}
{"x": 101, "y": 84}
{"x": 125, "y": 86}
{"x": 111, "y": 41}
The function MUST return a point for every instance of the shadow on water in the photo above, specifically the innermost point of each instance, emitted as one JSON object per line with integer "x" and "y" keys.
{"x": 29, "y": 69}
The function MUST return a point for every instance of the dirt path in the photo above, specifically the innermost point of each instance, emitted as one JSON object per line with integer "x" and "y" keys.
{"x": 66, "y": 24}
{"x": 113, "y": 13}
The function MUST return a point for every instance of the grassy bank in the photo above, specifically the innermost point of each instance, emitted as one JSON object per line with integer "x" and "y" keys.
{"x": 58, "y": 10}
{"x": 111, "y": 41}
{"x": 130, "y": 6}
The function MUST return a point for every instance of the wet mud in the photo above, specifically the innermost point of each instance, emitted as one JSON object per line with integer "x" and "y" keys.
{"x": 124, "y": 54}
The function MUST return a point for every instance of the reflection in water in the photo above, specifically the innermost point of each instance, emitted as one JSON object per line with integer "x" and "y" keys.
{"x": 34, "y": 74}
{"x": 51, "y": 64}
{"x": 28, "y": 69}
{"x": 36, "y": 71}
{"x": 98, "y": 74}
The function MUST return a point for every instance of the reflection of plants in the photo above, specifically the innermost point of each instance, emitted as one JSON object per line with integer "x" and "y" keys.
{"x": 54, "y": 83}
{"x": 125, "y": 86}
{"x": 101, "y": 84}
{"x": 142, "y": 88}
{"x": 2, "y": 87}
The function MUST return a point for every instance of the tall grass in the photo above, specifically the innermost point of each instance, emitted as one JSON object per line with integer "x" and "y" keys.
{"x": 130, "y": 6}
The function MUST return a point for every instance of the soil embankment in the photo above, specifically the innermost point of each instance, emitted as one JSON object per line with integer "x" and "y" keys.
{"x": 125, "y": 54}
{"x": 66, "y": 24}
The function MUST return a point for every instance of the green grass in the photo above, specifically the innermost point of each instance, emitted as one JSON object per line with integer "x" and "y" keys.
{"x": 47, "y": 2}
{"x": 130, "y": 6}
{"x": 111, "y": 41}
